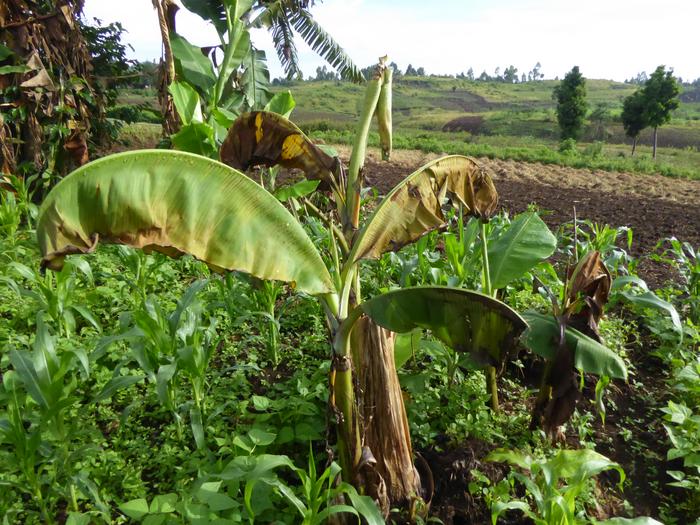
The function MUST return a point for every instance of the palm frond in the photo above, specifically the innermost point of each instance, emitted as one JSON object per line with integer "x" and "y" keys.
{"x": 283, "y": 40}
{"x": 324, "y": 45}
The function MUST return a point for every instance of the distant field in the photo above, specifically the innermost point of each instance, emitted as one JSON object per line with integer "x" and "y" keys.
{"x": 501, "y": 120}
{"x": 497, "y": 120}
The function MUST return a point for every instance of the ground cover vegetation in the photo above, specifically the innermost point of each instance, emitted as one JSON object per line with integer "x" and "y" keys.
{"x": 182, "y": 344}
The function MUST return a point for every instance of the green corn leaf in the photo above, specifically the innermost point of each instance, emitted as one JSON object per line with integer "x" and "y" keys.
{"x": 650, "y": 300}
{"x": 114, "y": 385}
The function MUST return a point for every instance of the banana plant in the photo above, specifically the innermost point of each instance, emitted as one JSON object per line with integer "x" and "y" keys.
{"x": 569, "y": 341}
{"x": 175, "y": 202}
{"x": 213, "y": 85}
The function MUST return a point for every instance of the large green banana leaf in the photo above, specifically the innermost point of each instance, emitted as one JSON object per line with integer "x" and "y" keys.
{"x": 590, "y": 356}
{"x": 414, "y": 206}
{"x": 464, "y": 320}
{"x": 176, "y": 202}
{"x": 526, "y": 242}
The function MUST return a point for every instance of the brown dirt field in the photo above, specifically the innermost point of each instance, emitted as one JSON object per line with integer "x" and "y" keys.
{"x": 655, "y": 207}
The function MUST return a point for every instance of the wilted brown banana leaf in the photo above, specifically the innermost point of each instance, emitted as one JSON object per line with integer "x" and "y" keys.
{"x": 414, "y": 207}
{"x": 269, "y": 139}
{"x": 591, "y": 279}
{"x": 565, "y": 393}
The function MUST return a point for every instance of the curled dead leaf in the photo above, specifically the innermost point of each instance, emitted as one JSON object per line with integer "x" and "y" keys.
{"x": 269, "y": 139}
{"x": 592, "y": 280}
{"x": 415, "y": 206}
{"x": 77, "y": 147}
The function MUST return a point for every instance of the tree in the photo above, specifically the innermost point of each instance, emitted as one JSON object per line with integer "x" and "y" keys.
{"x": 283, "y": 18}
{"x": 634, "y": 116}
{"x": 395, "y": 68}
{"x": 510, "y": 75}
{"x": 322, "y": 73}
{"x": 420, "y": 72}
{"x": 535, "y": 74}
{"x": 598, "y": 117}
{"x": 497, "y": 75}
{"x": 410, "y": 71}
{"x": 640, "y": 79}
{"x": 470, "y": 74}
{"x": 661, "y": 98}
{"x": 570, "y": 95}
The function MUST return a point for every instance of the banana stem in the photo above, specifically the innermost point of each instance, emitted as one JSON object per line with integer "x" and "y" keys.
{"x": 359, "y": 150}
{"x": 491, "y": 384}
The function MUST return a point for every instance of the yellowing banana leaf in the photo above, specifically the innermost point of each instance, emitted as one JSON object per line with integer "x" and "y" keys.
{"x": 176, "y": 202}
{"x": 464, "y": 320}
{"x": 269, "y": 139}
{"x": 414, "y": 206}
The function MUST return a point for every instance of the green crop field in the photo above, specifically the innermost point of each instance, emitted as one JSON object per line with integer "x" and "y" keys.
{"x": 215, "y": 311}
{"x": 492, "y": 119}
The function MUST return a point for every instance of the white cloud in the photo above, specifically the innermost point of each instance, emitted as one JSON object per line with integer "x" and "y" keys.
{"x": 606, "y": 38}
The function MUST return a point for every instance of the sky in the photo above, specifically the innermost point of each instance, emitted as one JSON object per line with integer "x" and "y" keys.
{"x": 612, "y": 39}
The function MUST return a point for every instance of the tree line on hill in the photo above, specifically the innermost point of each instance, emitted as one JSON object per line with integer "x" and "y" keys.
{"x": 509, "y": 74}
{"x": 649, "y": 106}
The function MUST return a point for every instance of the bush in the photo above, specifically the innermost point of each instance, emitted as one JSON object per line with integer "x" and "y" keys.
{"x": 131, "y": 114}
{"x": 568, "y": 147}
{"x": 593, "y": 150}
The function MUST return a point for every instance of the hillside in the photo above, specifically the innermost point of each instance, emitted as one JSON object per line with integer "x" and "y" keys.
{"x": 486, "y": 118}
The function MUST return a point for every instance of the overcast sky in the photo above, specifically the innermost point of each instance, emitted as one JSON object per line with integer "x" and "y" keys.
{"x": 613, "y": 39}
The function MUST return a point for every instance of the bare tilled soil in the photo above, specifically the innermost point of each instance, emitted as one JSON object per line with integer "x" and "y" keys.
{"x": 655, "y": 207}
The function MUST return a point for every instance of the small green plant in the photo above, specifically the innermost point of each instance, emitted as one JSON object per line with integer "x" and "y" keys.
{"x": 38, "y": 425}
{"x": 686, "y": 259}
{"x": 683, "y": 428}
{"x": 568, "y": 147}
{"x": 55, "y": 294}
{"x": 555, "y": 485}
{"x": 241, "y": 493}
{"x": 168, "y": 345}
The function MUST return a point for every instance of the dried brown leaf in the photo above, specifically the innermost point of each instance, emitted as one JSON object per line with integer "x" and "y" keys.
{"x": 268, "y": 139}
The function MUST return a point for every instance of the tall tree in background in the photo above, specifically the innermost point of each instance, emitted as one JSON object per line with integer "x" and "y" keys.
{"x": 634, "y": 116}
{"x": 661, "y": 98}
{"x": 510, "y": 75}
{"x": 570, "y": 95}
